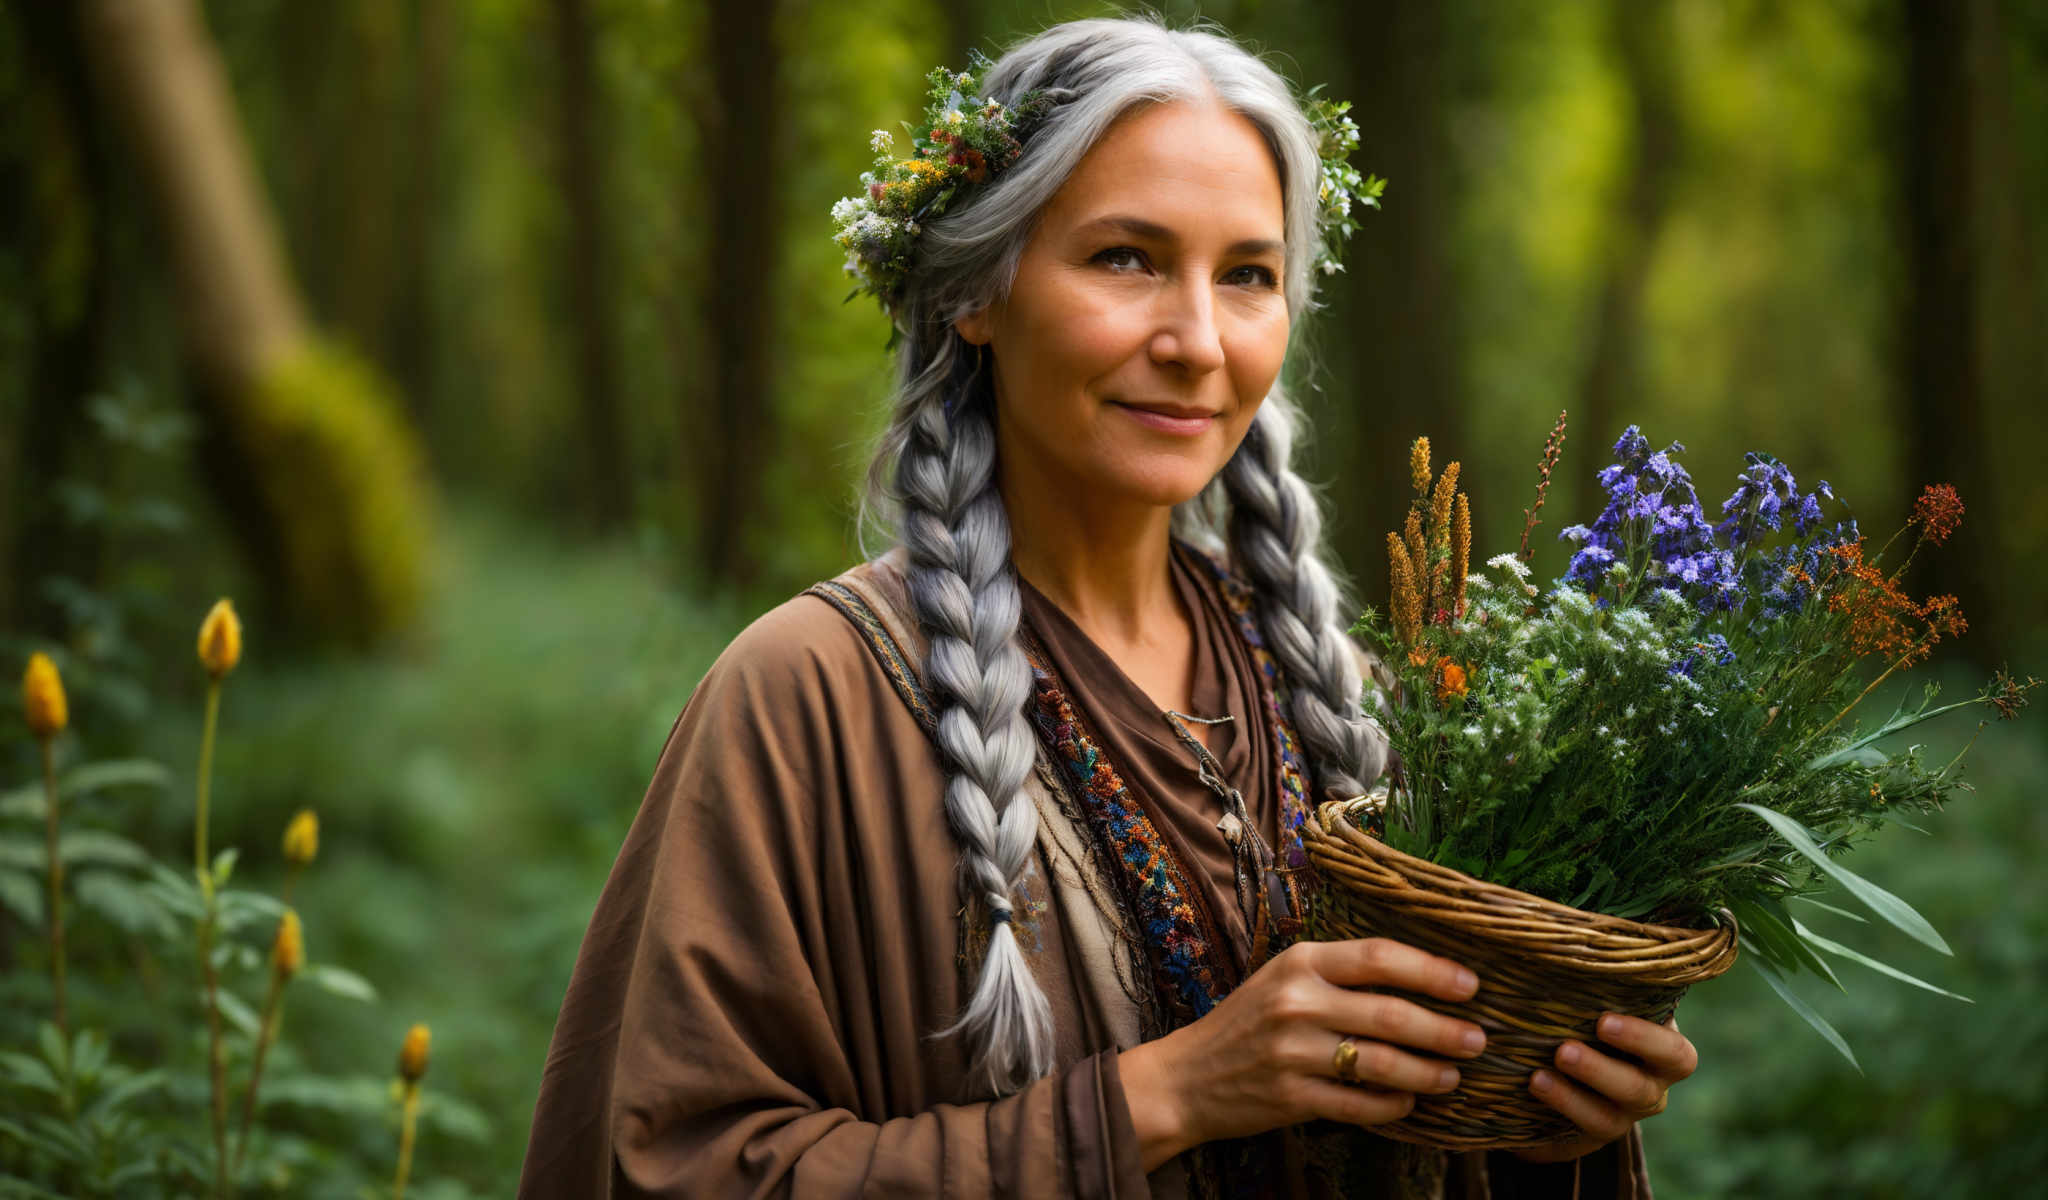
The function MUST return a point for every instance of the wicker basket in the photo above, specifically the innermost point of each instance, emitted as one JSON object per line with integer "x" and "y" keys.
{"x": 1546, "y": 974}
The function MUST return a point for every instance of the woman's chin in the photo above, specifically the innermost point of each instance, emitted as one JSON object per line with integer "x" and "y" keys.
{"x": 1163, "y": 481}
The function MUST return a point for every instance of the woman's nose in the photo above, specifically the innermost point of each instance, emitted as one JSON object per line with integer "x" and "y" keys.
{"x": 1187, "y": 332}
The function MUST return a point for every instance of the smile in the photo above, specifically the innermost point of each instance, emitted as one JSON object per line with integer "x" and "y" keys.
{"x": 1167, "y": 422}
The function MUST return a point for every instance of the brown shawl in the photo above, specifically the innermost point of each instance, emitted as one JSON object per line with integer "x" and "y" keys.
{"x": 751, "y": 1010}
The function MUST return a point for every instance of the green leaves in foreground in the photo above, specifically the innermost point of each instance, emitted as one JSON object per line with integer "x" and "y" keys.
{"x": 1780, "y": 944}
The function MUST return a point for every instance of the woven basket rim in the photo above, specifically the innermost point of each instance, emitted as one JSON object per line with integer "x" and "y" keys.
{"x": 1506, "y": 916}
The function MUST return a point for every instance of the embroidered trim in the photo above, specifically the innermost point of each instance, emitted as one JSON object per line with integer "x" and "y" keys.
{"x": 1178, "y": 934}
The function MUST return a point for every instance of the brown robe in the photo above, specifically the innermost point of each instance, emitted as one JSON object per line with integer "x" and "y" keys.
{"x": 753, "y": 1007}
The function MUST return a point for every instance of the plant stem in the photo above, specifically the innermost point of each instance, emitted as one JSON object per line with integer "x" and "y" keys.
{"x": 56, "y": 886}
{"x": 208, "y": 923}
{"x": 216, "y": 1052}
{"x": 267, "y": 1034}
{"x": 205, "y": 777}
{"x": 405, "y": 1137}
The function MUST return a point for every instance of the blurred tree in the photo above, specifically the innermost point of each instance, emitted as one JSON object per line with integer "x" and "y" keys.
{"x": 581, "y": 164}
{"x": 742, "y": 177}
{"x": 58, "y": 192}
{"x": 1950, "y": 47}
{"x": 1395, "y": 371}
{"x": 317, "y": 473}
{"x": 1641, "y": 33}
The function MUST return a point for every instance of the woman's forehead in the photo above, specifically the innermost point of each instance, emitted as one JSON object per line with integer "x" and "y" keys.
{"x": 1184, "y": 169}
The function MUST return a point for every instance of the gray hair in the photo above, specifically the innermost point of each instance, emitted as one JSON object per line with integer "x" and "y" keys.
{"x": 935, "y": 469}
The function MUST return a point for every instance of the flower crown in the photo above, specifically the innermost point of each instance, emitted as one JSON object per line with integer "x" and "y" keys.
{"x": 966, "y": 140}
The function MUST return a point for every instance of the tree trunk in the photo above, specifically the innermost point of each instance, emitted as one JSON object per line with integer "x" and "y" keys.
{"x": 1391, "y": 328}
{"x": 743, "y": 180}
{"x": 1642, "y": 35}
{"x": 580, "y": 137}
{"x": 314, "y": 470}
{"x": 65, "y": 192}
{"x": 1941, "y": 323}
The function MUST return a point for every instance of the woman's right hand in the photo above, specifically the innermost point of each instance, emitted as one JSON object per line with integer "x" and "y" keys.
{"x": 1266, "y": 1056}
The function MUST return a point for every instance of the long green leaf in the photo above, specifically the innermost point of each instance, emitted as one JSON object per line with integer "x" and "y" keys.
{"x": 1805, "y": 1010}
{"x": 1840, "y": 912}
{"x": 1841, "y": 951}
{"x": 1881, "y": 902}
{"x": 1773, "y": 930}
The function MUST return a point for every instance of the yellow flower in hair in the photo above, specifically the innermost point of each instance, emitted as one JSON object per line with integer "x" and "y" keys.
{"x": 220, "y": 639}
{"x": 42, "y": 697}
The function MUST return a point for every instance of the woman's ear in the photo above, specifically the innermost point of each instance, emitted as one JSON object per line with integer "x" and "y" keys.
{"x": 977, "y": 327}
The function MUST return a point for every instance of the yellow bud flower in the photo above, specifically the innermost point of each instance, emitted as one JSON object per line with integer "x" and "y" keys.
{"x": 220, "y": 639}
{"x": 412, "y": 1058}
{"x": 42, "y": 697}
{"x": 302, "y": 838}
{"x": 288, "y": 951}
{"x": 1418, "y": 466}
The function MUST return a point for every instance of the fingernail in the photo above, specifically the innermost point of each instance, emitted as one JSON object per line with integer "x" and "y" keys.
{"x": 1540, "y": 1081}
{"x": 1467, "y": 981}
{"x": 1446, "y": 1079}
{"x": 1609, "y": 1027}
{"x": 1568, "y": 1055}
{"x": 1474, "y": 1041}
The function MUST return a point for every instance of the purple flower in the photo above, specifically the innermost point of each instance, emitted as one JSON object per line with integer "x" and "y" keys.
{"x": 1714, "y": 646}
{"x": 1763, "y": 492}
{"x": 1652, "y": 506}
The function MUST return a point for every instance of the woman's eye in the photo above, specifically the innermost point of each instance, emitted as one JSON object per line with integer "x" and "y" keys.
{"x": 1262, "y": 276}
{"x": 1119, "y": 254}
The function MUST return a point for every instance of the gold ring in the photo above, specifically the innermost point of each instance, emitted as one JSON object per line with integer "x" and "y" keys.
{"x": 1346, "y": 1061}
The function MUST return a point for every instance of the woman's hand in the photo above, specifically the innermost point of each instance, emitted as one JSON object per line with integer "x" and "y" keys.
{"x": 1605, "y": 1096}
{"x": 1266, "y": 1056}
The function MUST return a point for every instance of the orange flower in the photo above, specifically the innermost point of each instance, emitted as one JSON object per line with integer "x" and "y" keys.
{"x": 1450, "y": 684}
{"x": 1882, "y": 617}
{"x": 1937, "y": 512}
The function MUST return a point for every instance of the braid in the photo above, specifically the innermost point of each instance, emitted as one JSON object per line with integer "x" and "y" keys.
{"x": 1275, "y": 529}
{"x": 952, "y": 524}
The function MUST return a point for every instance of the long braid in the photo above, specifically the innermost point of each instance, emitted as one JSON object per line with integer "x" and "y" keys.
{"x": 965, "y": 593}
{"x": 1275, "y": 530}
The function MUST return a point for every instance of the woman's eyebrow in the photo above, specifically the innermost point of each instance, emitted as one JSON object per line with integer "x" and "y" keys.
{"x": 1139, "y": 227}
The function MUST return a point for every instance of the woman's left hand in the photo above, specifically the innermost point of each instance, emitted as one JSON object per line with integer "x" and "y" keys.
{"x": 1606, "y": 1096}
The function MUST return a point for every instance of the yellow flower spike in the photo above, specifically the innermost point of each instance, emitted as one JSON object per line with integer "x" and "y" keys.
{"x": 412, "y": 1057}
{"x": 1407, "y": 601}
{"x": 220, "y": 639}
{"x": 288, "y": 950}
{"x": 1418, "y": 465}
{"x": 302, "y": 838}
{"x": 42, "y": 697}
{"x": 1461, "y": 553}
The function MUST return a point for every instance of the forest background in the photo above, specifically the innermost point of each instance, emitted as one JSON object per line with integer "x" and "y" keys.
{"x": 492, "y": 355}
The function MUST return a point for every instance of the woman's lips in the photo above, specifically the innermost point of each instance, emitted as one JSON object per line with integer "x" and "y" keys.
{"x": 1167, "y": 422}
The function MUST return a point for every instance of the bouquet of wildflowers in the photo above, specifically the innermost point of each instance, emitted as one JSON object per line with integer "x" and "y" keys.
{"x": 1672, "y": 730}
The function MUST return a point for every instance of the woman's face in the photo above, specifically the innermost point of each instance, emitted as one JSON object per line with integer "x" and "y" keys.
{"x": 1148, "y": 318}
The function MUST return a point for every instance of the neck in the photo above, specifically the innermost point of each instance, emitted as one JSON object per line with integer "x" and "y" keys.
{"x": 1104, "y": 562}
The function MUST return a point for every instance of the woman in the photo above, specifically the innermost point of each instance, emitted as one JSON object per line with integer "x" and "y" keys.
{"x": 973, "y": 872}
